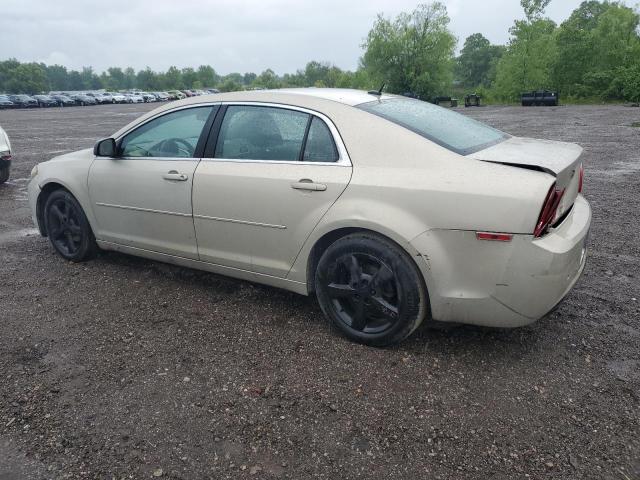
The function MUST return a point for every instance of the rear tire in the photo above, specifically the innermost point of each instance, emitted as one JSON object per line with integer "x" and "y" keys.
{"x": 68, "y": 228}
{"x": 371, "y": 290}
{"x": 4, "y": 174}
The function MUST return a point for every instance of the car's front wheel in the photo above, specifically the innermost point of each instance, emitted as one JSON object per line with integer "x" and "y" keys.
{"x": 68, "y": 228}
{"x": 370, "y": 289}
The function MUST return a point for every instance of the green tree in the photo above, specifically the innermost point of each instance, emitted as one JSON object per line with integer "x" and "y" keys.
{"x": 173, "y": 79}
{"x": 57, "y": 77}
{"x": 530, "y": 55}
{"x": 413, "y": 52}
{"x": 476, "y": 65}
{"x": 207, "y": 76}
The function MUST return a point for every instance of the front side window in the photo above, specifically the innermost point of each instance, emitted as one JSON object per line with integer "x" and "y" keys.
{"x": 261, "y": 133}
{"x": 451, "y": 130}
{"x": 172, "y": 135}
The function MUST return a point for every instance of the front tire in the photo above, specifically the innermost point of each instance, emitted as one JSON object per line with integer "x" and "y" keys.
{"x": 370, "y": 289}
{"x": 68, "y": 228}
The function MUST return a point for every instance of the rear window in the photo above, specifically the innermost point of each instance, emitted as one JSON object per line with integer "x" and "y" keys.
{"x": 449, "y": 129}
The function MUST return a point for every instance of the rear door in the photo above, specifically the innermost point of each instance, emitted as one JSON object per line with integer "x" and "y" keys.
{"x": 272, "y": 173}
{"x": 142, "y": 198}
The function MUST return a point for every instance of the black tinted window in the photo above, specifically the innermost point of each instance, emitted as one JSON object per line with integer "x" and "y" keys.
{"x": 320, "y": 146}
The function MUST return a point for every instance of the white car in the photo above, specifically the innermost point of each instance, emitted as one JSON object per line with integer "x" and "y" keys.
{"x": 5, "y": 156}
{"x": 118, "y": 97}
{"x": 392, "y": 210}
{"x": 134, "y": 98}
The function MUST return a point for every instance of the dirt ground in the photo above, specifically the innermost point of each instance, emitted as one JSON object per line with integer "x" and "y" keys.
{"x": 124, "y": 368}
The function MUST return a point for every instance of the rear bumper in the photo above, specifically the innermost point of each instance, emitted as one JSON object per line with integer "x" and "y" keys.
{"x": 503, "y": 284}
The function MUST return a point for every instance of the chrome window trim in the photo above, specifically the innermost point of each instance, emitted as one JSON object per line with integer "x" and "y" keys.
{"x": 161, "y": 114}
{"x": 343, "y": 156}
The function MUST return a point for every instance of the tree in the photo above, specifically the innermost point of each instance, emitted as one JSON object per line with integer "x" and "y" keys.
{"x": 173, "y": 79}
{"x": 413, "y": 52}
{"x": 207, "y": 76}
{"x": 57, "y": 77}
{"x": 530, "y": 54}
{"x": 476, "y": 65}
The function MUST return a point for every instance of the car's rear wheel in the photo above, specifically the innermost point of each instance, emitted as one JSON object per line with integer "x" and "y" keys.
{"x": 370, "y": 289}
{"x": 4, "y": 174}
{"x": 68, "y": 228}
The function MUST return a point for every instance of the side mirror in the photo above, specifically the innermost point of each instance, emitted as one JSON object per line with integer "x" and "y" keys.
{"x": 105, "y": 148}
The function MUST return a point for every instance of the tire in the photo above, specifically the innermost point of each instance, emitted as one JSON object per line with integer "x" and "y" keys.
{"x": 371, "y": 290}
{"x": 4, "y": 174}
{"x": 68, "y": 228}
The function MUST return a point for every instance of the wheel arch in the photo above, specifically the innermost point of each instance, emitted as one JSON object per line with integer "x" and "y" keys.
{"x": 330, "y": 237}
{"x": 45, "y": 191}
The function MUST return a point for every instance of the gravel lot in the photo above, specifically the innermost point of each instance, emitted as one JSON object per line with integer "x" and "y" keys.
{"x": 126, "y": 368}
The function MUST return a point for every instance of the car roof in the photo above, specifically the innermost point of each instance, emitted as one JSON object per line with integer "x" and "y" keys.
{"x": 342, "y": 95}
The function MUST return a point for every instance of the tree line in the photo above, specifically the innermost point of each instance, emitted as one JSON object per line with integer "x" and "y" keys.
{"x": 593, "y": 55}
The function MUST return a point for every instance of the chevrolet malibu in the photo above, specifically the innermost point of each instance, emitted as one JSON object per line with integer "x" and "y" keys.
{"x": 390, "y": 210}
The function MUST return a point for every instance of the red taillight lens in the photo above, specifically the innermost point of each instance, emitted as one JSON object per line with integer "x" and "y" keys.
{"x": 496, "y": 237}
{"x": 581, "y": 179}
{"x": 548, "y": 213}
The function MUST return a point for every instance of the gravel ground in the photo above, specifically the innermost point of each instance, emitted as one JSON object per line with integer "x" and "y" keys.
{"x": 125, "y": 368}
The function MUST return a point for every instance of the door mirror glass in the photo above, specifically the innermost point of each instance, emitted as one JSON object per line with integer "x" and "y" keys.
{"x": 105, "y": 148}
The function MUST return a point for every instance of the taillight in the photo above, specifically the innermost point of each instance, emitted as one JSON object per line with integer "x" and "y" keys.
{"x": 549, "y": 209}
{"x": 581, "y": 179}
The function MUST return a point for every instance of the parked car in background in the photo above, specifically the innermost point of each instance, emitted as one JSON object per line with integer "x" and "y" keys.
{"x": 5, "y": 102}
{"x": 82, "y": 99}
{"x": 175, "y": 95}
{"x": 23, "y": 101}
{"x": 212, "y": 90}
{"x": 187, "y": 93}
{"x": 301, "y": 189}
{"x": 117, "y": 97}
{"x": 5, "y": 156}
{"x": 161, "y": 96}
{"x": 147, "y": 97}
{"x": 63, "y": 100}
{"x": 46, "y": 101}
{"x": 100, "y": 98}
{"x": 134, "y": 98}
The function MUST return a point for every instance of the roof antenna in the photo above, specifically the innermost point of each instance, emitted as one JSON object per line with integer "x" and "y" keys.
{"x": 377, "y": 93}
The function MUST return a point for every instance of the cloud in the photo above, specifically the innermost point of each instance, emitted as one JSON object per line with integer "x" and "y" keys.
{"x": 230, "y": 35}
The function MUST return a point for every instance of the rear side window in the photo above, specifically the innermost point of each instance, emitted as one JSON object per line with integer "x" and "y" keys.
{"x": 320, "y": 146}
{"x": 451, "y": 130}
{"x": 261, "y": 133}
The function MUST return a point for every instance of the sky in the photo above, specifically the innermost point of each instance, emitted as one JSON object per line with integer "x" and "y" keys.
{"x": 230, "y": 35}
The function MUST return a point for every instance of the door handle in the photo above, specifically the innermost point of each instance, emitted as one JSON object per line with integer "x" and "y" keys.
{"x": 308, "y": 184}
{"x": 174, "y": 176}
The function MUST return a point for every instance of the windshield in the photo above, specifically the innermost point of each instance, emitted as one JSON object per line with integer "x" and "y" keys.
{"x": 449, "y": 129}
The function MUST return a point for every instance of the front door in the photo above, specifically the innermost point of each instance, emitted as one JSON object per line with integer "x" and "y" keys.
{"x": 274, "y": 174}
{"x": 142, "y": 198}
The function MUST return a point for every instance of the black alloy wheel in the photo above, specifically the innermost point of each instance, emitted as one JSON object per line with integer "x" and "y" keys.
{"x": 370, "y": 289}
{"x": 68, "y": 228}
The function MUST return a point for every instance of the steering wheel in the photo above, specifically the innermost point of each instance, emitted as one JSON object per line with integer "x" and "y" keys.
{"x": 171, "y": 145}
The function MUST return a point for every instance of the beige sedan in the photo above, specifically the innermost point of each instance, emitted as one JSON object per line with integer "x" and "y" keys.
{"x": 391, "y": 210}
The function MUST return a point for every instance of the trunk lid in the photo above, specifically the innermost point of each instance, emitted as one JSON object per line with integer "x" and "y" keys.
{"x": 560, "y": 159}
